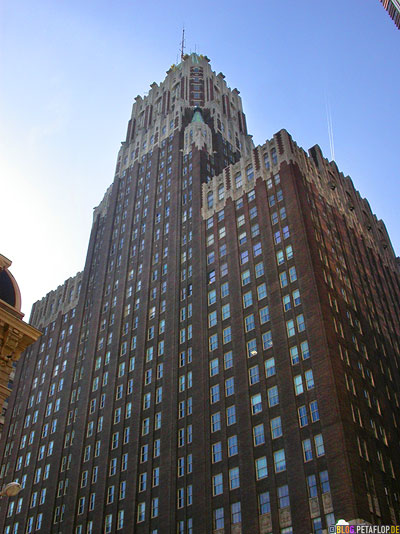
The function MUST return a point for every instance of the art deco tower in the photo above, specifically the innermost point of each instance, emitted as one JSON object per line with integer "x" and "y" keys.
{"x": 227, "y": 361}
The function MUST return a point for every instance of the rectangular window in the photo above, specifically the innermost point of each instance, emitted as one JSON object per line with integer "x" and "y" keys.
{"x": 273, "y": 396}
{"x": 298, "y": 384}
{"x": 215, "y": 422}
{"x": 262, "y": 291}
{"x": 216, "y": 452}
{"x": 294, "y": 355}
{"x": 319, "y": 445}
{"x": 249, "y": 323}
{"x": 214, "y": 394}
{"x": 234, "y": 480}
{"x": 283, "y": 497}
{"x": 231, "y": 415}
{"x": 261, "y": 468}
{"x": 254, "y": 375}
{"x": 276, "y": 427}
{"x": 280, "y": 461}
{"x": 217, "y": 484}
{"x": 229, "y": 386}
{"x": 270, "y": 367}
{"x": 290, "y": 328}
{"x": 307, "y": 450}
{"x": 236, "y": 514}
{"x": 267, "y": 340}
{"x": 256, "y": 404}
{"x": 314, "y": 411}
{"x": 232, "y": 446}
{"x": 264, "y": 506}
{"x": 258, "y": 435}
{"x": 264, "y": 315}
{"x": 303, "y": 418}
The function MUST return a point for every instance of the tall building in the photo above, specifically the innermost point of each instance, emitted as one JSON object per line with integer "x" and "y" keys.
{"x": 228, "y": 360}
{"x": 393, "y": 8}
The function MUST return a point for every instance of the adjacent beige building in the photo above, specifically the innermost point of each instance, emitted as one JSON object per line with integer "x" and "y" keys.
{"x": 15, "y": 334}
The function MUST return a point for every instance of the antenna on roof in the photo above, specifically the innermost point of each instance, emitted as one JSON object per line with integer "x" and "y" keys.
{"x": 330, "y": 127}
{"x": 182, "y": 49}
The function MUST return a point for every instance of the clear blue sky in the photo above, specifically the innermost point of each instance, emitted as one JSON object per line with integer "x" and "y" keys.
{"x": 70, "y": 70}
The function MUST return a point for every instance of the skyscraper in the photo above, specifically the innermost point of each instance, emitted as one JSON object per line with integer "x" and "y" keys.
{"x": 227, "y": 361}
{"x": 393, "y": 8}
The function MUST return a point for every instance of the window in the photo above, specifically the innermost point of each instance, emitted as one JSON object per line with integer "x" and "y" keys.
{"x": 232, "y": 446}
{"x": 261, "y": 291}
{"x": 227, "y": 335}
{"x": 305, "y": 352}
{"x": 212, "y": 297}
{"x": 309, "y": 379}
{"x": 234, "y": 480}
{"x": 283, "y": 279}
{"x": 276, "y": 427}
{"x": 216, "y": 452}
{"x": 259, "y": 269}
{"x": 254, "y": 375}
{"x": 273, "y": 396}
{"x": 215, "y": 422}
{"x": 294, "y": 355}
{"x": 212, "y": 319}
{"x": 324, "y": 480}
{"x": 283, "y": 496}
{"x": 257, "y": 250}
{"x": 261, "y": 468}
{"x": 236, "y": 514}
{"x": 217, "y": 484}
{"x": 256, "y": 404}
{"x": 264, "y": 315}
{"x": 251, "y": 348}
{"x": 214, "y": 394}
{"x": 247, "y": 299}
{"x": 245, "y": 277}
{"x": 312, "y": 486}
{"x": 249, "y": 323}
{"x": 226, "y": 311}
{"x": 298, "y": 384}
{"x": 286, "y": 303}
{"x": 303, "y": 419}
{"x": 300, "y": 323}
{"x": 218, "y": 518}
{"x": 270, "y": 367}
{"x": 290, "y": 328}
{"x": 224, "y": 289}
{"x": 214, "y": 368}
{"x": 280, "y": 461}
{"x": 267, "y": 340}
{"x": 229, "y": 386}
{"x": 319, "y": 445}
{"x": 244, "y": 257}
{"x": 231, "y": 415}
{"x": 314, "y": 411}
{"x": 258, "y": 435}
{"x": 307, "y": 450}
{"x": 141, "y": 512}
{"x": 264, "y": 506}
{"x": 213, "y": 342}
{"x": 228, "y": 360}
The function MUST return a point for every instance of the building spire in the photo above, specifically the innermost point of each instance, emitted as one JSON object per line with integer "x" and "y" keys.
{"x": 182, "y": 49}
